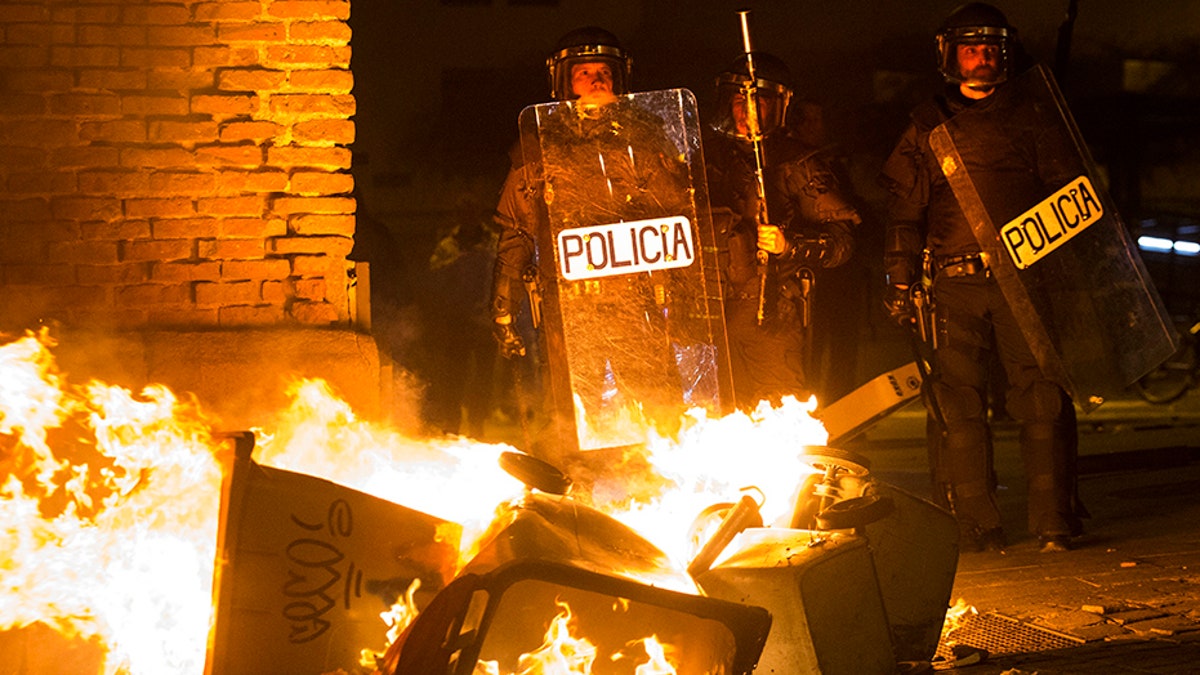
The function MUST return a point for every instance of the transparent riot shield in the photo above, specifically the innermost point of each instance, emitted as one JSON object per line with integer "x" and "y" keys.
{"x": 1055, "y": 243}
{"x": 631, "y": 308}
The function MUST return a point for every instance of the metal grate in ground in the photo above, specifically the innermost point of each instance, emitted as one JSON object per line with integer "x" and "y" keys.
{"x": 1000, "y": 634}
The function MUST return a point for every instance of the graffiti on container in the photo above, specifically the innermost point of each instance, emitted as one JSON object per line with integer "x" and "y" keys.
{"x": 319, "y": 574}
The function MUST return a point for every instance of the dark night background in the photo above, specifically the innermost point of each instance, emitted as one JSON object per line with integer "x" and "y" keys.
{"x": 439, "y": 85}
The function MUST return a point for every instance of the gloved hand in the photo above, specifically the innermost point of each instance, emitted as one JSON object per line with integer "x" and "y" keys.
{"x": 511, "y": 344}
{"x": 812, "y": 250}
{"x": 771, "y": 239}
{"x": 898, "y": 303}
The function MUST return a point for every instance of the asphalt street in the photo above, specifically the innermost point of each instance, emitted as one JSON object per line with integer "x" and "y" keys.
{"x": 1126, "y": 599}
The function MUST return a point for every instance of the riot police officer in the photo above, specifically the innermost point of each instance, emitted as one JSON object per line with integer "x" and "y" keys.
{"x": 976, "y": 50}
{"x": 588, "y": 64}
{"x": 808, "y": 226}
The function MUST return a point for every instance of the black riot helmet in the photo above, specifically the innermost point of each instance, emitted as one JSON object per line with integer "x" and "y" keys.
{"x": 773, "y": 89}
{"x": 972, "y": 24}
{"x": 589, "y": 44}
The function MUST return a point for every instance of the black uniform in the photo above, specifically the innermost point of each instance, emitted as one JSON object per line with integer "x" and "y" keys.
{"x": 804, "y": 198}
{"x": 973, "y": 317}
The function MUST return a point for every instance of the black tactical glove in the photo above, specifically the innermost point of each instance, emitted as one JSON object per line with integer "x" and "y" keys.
{"x": 898, "y": 302}
{"x": 511, "y": 344}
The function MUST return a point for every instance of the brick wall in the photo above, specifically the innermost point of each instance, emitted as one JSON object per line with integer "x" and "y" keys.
{"x": 175, "y": 164}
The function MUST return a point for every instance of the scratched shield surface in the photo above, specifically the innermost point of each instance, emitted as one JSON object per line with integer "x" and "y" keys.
{"x": 1054, "y": 242}
{"x": 631, "y": 302}
{"x": 307, "y": 567}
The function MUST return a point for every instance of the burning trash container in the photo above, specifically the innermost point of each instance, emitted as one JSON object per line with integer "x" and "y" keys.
{"x": 558, "y": 582}
{"x": 306, "y": 567}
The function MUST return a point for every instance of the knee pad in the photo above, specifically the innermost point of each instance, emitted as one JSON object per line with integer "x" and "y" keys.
{"x": 1040, "y": 401}
{"x": 957, "y": 403}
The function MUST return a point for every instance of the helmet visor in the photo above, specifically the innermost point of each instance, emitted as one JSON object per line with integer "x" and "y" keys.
{"x": 732, "y": 114}
{"x": 562, "y": 69}
{"x": 978, "y": 57}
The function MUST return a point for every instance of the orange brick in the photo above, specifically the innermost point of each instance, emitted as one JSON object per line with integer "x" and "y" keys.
{"x": 258, "y": 270}
{"x": 286, "y": 206}
{"x": 155, "y": 14}
{"x": 231, "y": 249}
{"x": 314, "y": 265}
{"x": 182, "y": 36}
{"x": 185, "y": 228}
{"x": 185, "y": 271}
{"x": 315, "y": 225}
{"x": 251, "y": 32}
{"x": 124, "y": 228}
{"x": 43, "y": 132}
{"x": 253, "y": 227}
{"x": 114, "y": 182}
{"x": 251, "y": 79}
{"x": 247, "y": 155}
{"x": 227, "y": 10}
{"x": 118, "y": 131}
{"x": 328, "y": 81}
{"x": 232, "y": 206}
{"x": 183, "y": 80}
{"x": 85, "y": 156}
{"x": 24, "y": 56}
{"x": 326, "y": 158}
{"x": 315, "y": 313}
{"x": 321, "y": 183}
{"x": 80, "y": 14}
{"x": 145, "y": 250}
{"x": 164, "y": 183}
{"x": 23, "y": 104}
{"x": 24, "y": 210}
{"x": 259, "y": 130}
{"x": 91, "y": 57}
{"x": 130, "y": 273}
{"x": 110, "y": 34}
{"x": 155, "y": 57}
{"x": 324, "y": 245}
{"x": 275, "y": 292}
{"x": 310, "y": 289}
{"x": 227, "y": 293}
{"x": 317, "y": 56}
{"x": 39, "y": 81}
{"x": 57, "y": 182}
{"x": 143, "y": 295}
{"x": 237, "y": 181}
{"x": 41, "y": 273}
{"x": 340, "y": 132}
{"x": 319, "y": 31}
{"x": 22, "y": 157}
{"x": 103, "y": 78}
{"x": 83, "y": 252}
{"x": 226, "y": 104}
{"x": 310, "y": 9}
{"x": 138, "y": 104}
{"x": 204, "y": 131}
{"x": 311, "y": 105}
{"x": 86, "y": 208}
{"x": 157, "y": 157}
{"x": 85, "y": 105}
{"x": 174, "y": 207}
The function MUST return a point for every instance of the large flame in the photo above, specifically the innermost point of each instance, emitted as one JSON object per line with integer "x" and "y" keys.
{"x": 109, "y": 500}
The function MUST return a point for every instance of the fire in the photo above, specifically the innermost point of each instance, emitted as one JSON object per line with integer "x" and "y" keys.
{"x": 117, "y": 543}
{"x": 713, "y": 460}
{"x": 109, "y": 500}
{"x": 562, "y": 653}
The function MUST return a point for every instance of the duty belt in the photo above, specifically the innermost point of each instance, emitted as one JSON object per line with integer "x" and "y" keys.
{"x": 960, "y": 265}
